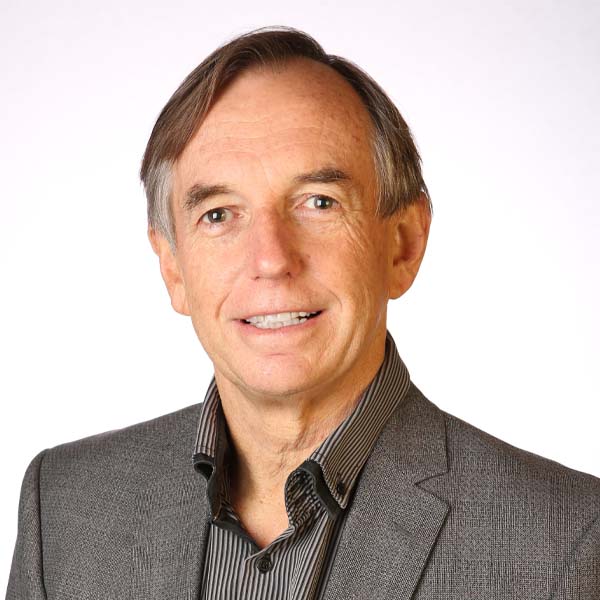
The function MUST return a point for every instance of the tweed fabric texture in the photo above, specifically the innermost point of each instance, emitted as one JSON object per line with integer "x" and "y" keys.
{"x": 315, "y": 494}
{"x": 441, "y": 510}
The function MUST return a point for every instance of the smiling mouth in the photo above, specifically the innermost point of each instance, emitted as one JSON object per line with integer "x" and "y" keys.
{"x": 278, "y": 320}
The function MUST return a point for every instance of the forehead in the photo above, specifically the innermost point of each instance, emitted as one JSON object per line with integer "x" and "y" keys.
{"x": 281, "y": 120}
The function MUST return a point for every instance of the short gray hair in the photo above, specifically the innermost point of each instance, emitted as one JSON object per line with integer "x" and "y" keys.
{"x": 396, "y": 159}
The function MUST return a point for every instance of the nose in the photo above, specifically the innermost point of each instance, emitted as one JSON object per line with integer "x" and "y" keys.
{"x": 272, "y": 248}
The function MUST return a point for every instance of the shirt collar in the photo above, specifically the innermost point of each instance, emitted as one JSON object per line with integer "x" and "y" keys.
{"x": 212, "y": 446}
{"x": 344, "y": 452}
{"x": 337, "y": 462}
{"x": 207, "y": 435}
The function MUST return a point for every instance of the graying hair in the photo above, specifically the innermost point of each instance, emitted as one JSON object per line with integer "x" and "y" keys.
{"x": 396, "y": 159}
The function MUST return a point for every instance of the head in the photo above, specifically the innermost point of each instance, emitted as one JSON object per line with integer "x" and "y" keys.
{"x": 281, "y": 179}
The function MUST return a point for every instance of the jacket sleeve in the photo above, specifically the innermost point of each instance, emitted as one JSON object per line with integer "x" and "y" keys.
{"x": 26, "y": 580}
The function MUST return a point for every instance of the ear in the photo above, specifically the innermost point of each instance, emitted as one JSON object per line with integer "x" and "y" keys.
{"x": 170, "y": 271}
{"x": 410, "y": 230}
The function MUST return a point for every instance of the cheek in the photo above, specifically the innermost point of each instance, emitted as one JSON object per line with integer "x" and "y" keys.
{"x": 201, "y": 282}
{"x": 367, "y": 252}
{"x": 208, "y": 263}
{"x": 359, "y": 261}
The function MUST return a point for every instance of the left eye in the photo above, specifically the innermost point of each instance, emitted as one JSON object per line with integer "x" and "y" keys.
{"x": 216, "y": 215}
{"x": 320, "y": 202}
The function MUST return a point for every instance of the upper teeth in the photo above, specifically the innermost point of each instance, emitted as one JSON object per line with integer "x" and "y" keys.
{"x": 279, "y": 319}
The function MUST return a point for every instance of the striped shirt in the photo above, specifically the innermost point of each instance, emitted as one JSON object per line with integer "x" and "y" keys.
{"x": 294, "y": 565}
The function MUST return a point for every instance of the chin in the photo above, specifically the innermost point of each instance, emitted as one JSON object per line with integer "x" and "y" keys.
{"x": 278, "y": 383}
{"x": 278, "y": 387}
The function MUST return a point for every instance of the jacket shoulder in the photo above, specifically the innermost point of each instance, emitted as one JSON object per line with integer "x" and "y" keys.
{"x": 87, "y": 505}
{"x": 127, "y": 455}
{"x": 533, "y": 522}
{"x": 484, "y": 473}
{"x": 490, "y": 481}
{"x": 472, "y": 450}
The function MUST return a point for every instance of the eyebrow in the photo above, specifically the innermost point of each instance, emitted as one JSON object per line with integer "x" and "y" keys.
{"x": 200, "y": 192}
{"x": 325, "y": 175}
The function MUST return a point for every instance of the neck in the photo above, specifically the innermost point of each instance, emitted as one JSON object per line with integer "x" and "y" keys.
{"x": 269, "y": 444}
{"x": 273, "y": 436}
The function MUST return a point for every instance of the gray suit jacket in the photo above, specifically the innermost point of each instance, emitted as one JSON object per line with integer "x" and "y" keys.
{"x": 441, "y": 511}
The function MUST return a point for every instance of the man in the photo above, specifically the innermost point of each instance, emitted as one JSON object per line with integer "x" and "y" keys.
{"x": 286, "y": 206}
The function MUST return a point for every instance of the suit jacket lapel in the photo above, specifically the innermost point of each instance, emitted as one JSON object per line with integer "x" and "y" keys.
{"x": 392, "y": 524}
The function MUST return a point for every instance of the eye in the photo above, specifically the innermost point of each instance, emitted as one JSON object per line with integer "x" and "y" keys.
{"x": 321, "y": 202}
{"x": 216, "y": 216}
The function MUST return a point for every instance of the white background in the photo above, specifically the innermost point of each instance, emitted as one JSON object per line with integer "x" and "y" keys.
{"x": 501, "y": 327}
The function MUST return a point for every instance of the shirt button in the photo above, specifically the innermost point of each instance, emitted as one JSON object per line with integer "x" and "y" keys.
{"x": 340, "y": 488}
{"x": 264, "y": 564}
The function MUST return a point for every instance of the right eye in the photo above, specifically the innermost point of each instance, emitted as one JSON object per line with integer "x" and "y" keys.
{"x": 216, "y": 216}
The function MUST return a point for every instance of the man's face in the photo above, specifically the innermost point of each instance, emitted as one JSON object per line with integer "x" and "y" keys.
{"x": 274, "y": 202}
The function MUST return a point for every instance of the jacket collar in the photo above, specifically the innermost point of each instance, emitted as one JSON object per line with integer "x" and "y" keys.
{"x": 392, "y": 524}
